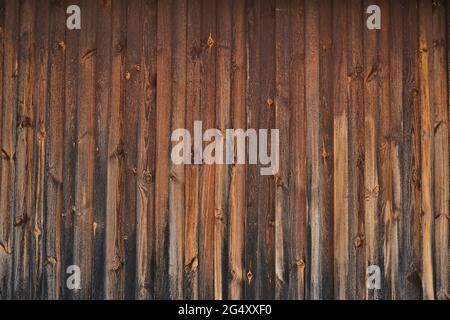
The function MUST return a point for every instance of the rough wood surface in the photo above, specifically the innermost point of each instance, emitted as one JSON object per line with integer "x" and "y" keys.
{"x": 86, "y": 176}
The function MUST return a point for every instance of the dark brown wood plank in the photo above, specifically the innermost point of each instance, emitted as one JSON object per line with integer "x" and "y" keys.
{"x": 192, "y": 172}
{"x": 237, "y": 184}
{"x": 357, "y": 265}
{"x": 146, "y": 155}
{"x": 313, "y": 144}
{"x": 325, "y": 288}
{"x": 177, "y": 176}
{"x": 222, "y": 122}
{"x": 441, "y": 203}
{"x": 71, "y": 47}
{"x": 55, "y": 154}
{"x": 207, "y": 171}
{"x": 410, "y": 169}
{"x": 8, "y": 145}
{"x": 41, "y": 30}
{"x": 102, "y": 108}
{"x": 132, "y": 106}
{"x": 85, "y": 161}
{"x": 115, "y": 251}
{"x": 163, "y": 112}
{"x": 265, "y": 279}
{"x": 282, "y": 117}
{"x": 297, "y": 245}
{"x": 24, "y": 185}
{"x": 253, "y": 85}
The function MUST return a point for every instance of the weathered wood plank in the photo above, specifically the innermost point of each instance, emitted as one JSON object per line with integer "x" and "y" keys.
{"x": 282, "y": 117}
{"x": 392, "y": 253}
{"x": 40, "y": 140}
{"x": 192, "y": 172}
{"x": 24, "y": 184}
{"x": 372, "y": 74}
{"x": 83, "y": 247}
{"x": 253, "y": 85}
{"x": 265, "y": 106}
{"x": 130, "y": 116}
{"x": 313, "y": 143}
{"x": 426, "y": 173}
{"x": 55, "y": 154}
{"x": 102, "y": 109}
{"x": 384, "y": 157}
{"x": 163, "y": 112}
{"x": 223, "y": 122}
{"x": 297, "y": 244}
{"x": 325, "y": 289}
{"x": 71, "y": 47}
{"x": 237, "y": 184}
{"x": 410, "y": 163}
{"x": 146, "y": 155}
{"x": 115, "y": 251}
{"x": 207, "y": 174}
{"x": 8, "y": 144}
{"x": 177, "y": 176}
{"x": 341, "y": 154}
{"x": 440, "y": 126}
{"x": 357, "y": 265}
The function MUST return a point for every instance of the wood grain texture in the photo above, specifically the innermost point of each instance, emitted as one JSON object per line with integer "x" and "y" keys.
{"x": 86, "y": 176}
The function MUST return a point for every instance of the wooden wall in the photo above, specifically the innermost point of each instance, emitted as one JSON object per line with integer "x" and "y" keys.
{"x": 86, "y": 177}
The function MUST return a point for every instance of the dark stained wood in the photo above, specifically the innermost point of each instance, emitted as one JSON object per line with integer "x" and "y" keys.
{"x": 53, "y": 276}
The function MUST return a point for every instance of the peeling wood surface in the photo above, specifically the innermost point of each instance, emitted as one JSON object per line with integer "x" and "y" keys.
{"x": 85, "y": 170}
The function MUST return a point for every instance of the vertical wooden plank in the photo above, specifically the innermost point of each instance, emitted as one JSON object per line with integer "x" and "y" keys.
{"x": 357, "y": 264}
{"x": 132, "y": 105}
{"x": 37, "y": 262}
{"x": 163, "y": 112}
{"x": 265, "y": 280}
{"x": 298, "y": 218}
{"x": 325, "y": 287}
{"x": 207, "y": 174}
{"x": 237, "y": 194}
{"x": 146, "y": 155}
{"x": 177, "y": 179}
{"x": 2, "y": 54}
{"x": 223, "y": 122}
{"x": 115, "y": 277}
{"x": 85, "y": 161}
{"x": 371, "y": 127}
{"x": 282, "y": 116}
{"x": 384, "y": 157}
{"x": 253, "y": 103}
{"x": 426, "y": 152}
{"x": 71, "y": 46}
{"x": 102, "y": 107}
{"x": 55, "y": 153}
{"x": 441, "y": 180}
{"x": 192, "y": 172}
{"x": 8, "y": 146}
{"x": 392, "y": 254}
{"x": 410, "y": 221}
{"x": 340, "y": 85}
{"x": 313, "y": 143}
{"x": 23, "y": 207}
